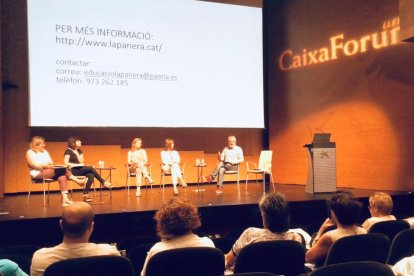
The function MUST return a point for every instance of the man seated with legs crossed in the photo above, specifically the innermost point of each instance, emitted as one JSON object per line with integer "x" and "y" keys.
{"x": 77, "y": 226}
{"x": 229, "y": 158}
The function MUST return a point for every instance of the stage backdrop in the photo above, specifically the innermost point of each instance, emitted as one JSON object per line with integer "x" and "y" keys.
{"x": 338, "y": 66}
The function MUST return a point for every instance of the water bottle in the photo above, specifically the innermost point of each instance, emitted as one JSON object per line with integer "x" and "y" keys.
{"x": 202, "y": 162}
{"x": 197, "y": 162}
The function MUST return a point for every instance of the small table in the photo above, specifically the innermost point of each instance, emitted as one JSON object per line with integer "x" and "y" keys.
{"x": 200, "y": 169}
{"x": 108, "y": 177}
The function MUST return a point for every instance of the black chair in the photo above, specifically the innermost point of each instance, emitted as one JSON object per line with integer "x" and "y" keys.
{"x": 354, "y": 269}
{"x": 91, "y": 266}
{"x": 22, "y": 261}
{"x": 129, "y": 243}
{"x": 390, "y": 228}
{"x": 254, "y": 274}
{"x": 402, "y": 246}
{"x": 284, "y": 257}
{"x": 224, "y": 244}
{"x": 200, "y": 261}
{"x": 137, "y": 256}
{"x": 368, "y": 247}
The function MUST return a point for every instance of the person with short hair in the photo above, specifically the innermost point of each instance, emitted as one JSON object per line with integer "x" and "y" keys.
{"x": 176, "y": 220}
{"x": 74, "y": 159}
{"x": 276, "y": 221}
{"x": 230, "y": 158}
{"x": 171, "y": 164}
{"x": 137, "y": 160}
{"x": 41, "y": 166}
{"x": 344, "y": 209}
{"x": 77, "y": 224}
{"x": 380, "y": 207}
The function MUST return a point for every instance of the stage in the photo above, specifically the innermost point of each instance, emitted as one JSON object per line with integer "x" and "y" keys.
{"x": 122, "y": 216}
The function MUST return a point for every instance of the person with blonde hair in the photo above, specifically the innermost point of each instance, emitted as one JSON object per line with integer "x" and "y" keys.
{"x": 171, "y": 164}
{"x": 176, "y": 221}
{"x": 41, "y": 166}
{"x": 380, "y": 207}
{"x": 137, "y": 160}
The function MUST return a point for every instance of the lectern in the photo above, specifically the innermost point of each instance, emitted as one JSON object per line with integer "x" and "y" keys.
{"x": 322, "y": 164}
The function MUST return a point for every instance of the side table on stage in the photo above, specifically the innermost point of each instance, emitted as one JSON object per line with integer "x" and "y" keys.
{"x": 200, "y": 182}
{"x": 108, "y": 177}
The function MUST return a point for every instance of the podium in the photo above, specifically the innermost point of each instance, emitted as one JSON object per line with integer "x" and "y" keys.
{"x": 322, "y": 164}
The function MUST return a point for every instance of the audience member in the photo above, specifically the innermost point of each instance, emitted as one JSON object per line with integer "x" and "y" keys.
{"x": 404, "y": 267}
{"x": 41, "y": 166}
{"x": 10, "y": 268}
{"x": 176, "y": 221}
{"x": 74, "y": 159}
{"x": 77, "y": 224}
{"x": 344, "y": 210}
{"x": 230, "y": 158}
{"x": 171, "y": 164}
{"x": 137, "y": 160}
{"x": 380, "y": 207}
{"x": 276, "y": 221}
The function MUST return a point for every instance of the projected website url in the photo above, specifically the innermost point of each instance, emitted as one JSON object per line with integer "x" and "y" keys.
{"x": 83, "y": 42}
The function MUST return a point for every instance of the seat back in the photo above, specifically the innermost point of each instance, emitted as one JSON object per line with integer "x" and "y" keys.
{"x": 200, "y": 261}
{"x": 138, "y": 254}
{"x": 355, "y": 269}
{"x": 389, "y": 228}
{"x": 265, "y": 160}
{"x": 283, "y": 257}
{"x": 368, "y": 247}
{"x": 402, "y": 246}
{"x": 96, "y": 265}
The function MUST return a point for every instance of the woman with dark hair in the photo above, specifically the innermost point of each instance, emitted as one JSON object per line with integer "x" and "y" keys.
{"x": 74, "y": 159}
{"x": 276, "y": 221}
{"x": 344, "y": 209}
{"x": 170, "y": 163}
{"x": 176, "y": 221}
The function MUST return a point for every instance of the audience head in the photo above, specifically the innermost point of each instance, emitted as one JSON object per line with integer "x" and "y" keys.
{"x": 275, "y": 212}
{"x": 176, "y": 218}
{"x": 380, "y": 204}
{"x": 37, "y": 143}
{"x": 136, "y": 143}
{"x": 74, "y": 142}
{"x": 231, "y": 141}
{"x": 77, "y": 220}
{"x": 169, "y": 144}
{"x": 345, "y": 207}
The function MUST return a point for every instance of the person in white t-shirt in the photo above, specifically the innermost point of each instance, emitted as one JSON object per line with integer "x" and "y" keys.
{"x": 176, "y": 221}
{"x": 230, "y": 158}
{"x": 380, "y": 207}
{"x": 77, "y": 225}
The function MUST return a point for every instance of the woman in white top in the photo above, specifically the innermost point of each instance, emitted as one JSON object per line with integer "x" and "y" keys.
{"x": 171, "y": 164}
{"x": 380, "y": 208}
{"x": 176, "y": 221}
{"x": 41, "y": 166}
{"x": 137, "y": 161}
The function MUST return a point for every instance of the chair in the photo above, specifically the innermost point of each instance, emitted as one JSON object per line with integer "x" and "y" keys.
{"x": 137, "y": 256}
{"x": 368, "y": 247}
{"x": 46, "y": 186}
{"x": 389, "y": 228}
{"x": 281, "y": 257}
{"x": 402, "y": 246}
{"x": 264, "y": 167}
{"x": 96, "y": 265}
{"x": 130, "y": 243}
{"x": 223, "y": 243}
{"x": 24, "y": 262}
{"x": 200, "y": 261}
{"x": 133, "y": 174}
{"x": 164, "y": 174}
{"x": 80, "y": 177}
{"x": 354, "y": 269}
{"x": 236, "y": 172}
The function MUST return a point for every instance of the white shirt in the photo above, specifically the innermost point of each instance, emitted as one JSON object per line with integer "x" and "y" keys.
{"x": 372, "y": 220}
{"x": 234, "y": 155}
{"x": 39, "y": 158}
{"x": 405, "y": 267}
{"x": 170, "y": 157}
{"x": 44, "y": 257}
{"x": 189, "y": 240}
{"x": 138, "y": 156}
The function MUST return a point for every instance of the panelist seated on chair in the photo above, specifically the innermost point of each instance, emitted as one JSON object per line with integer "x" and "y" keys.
{"x": 171, "y": 164}
{"x": 137, "y": 161}
{"x": 77, "y": 224}
{"x": 74, "y": 159}
{"x": 230, "y": 158}
{"x": 41, "y": 166}
{"x": 276, "y": 221}
{"x": 176, "y": 220}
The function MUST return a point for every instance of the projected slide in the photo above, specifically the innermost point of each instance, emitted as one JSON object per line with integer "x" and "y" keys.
{"x": 145, "y": 63}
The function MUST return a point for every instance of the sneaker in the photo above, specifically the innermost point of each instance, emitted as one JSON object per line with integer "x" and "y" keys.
{"x": 107, "y": 184}
{"x": 219, "y": 190}
{"x": 138, "y": 192}
{"x": 86, "y": 198}
{"x": 208, "y": 178}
